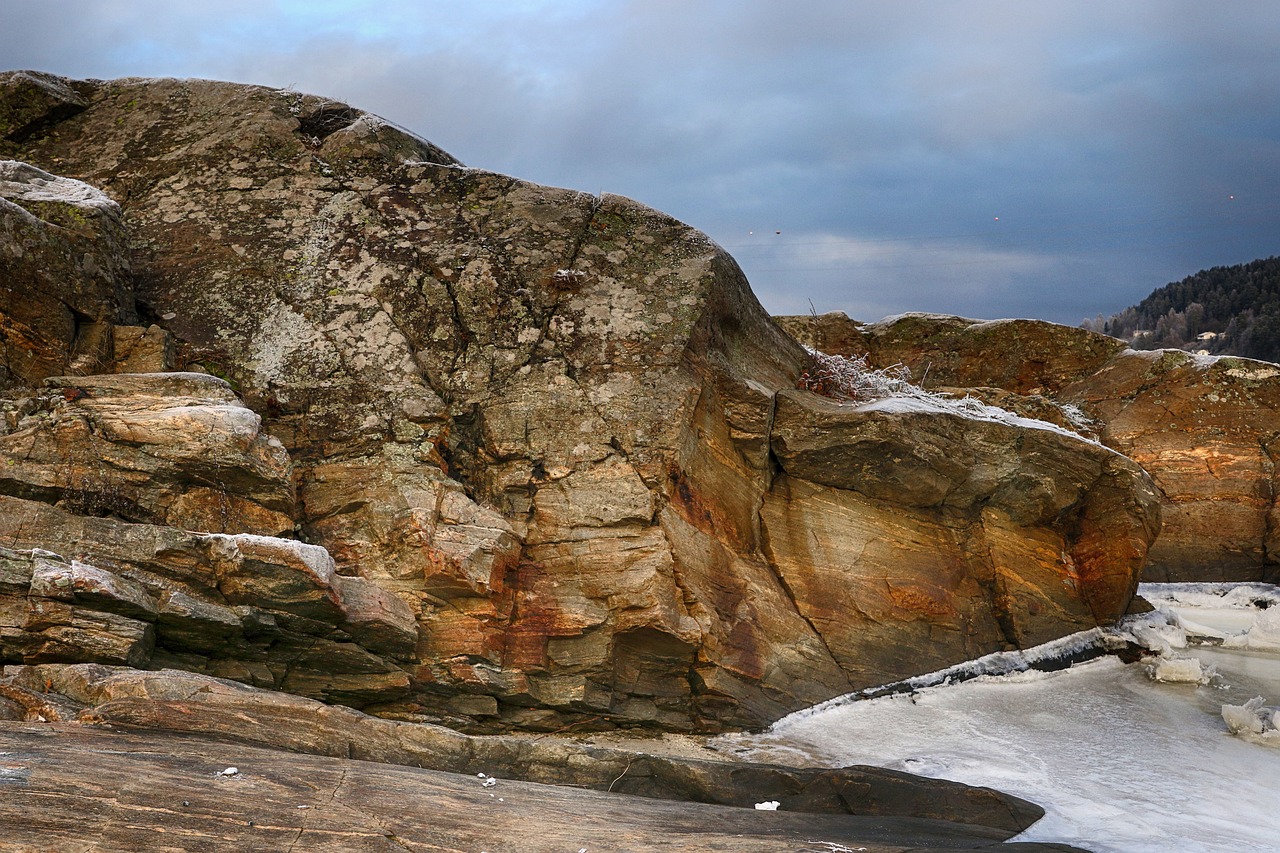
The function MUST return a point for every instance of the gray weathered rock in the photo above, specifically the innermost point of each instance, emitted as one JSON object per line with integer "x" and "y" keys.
{"x": 64, "y": 274}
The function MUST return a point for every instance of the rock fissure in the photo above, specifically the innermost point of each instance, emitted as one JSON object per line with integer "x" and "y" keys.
{"x": 794, "y": 604}
{"x": 979, "y": 549}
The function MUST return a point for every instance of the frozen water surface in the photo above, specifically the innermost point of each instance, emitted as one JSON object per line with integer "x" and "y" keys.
{"x": 1121, "y": 764}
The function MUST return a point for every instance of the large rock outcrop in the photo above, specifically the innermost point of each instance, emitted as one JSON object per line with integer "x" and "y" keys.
{"x": 1205, "y": 428}
{"x": 547, "y": 423}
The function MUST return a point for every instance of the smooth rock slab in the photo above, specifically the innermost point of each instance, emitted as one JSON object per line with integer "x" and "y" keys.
{"x": 70, "y": 788}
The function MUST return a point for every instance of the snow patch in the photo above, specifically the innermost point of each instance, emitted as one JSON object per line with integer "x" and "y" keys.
{"x": 850, "y": 381}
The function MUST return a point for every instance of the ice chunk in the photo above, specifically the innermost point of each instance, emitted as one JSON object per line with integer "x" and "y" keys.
{"x": 1159, "y": 637}
{"x": 1180, "y": 670}
{"x": 1262, "y": 636}
{"x": 1253, "y": 717}
{"x": 1211, "y": 595}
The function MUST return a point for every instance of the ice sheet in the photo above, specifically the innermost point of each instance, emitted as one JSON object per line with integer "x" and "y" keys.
{"x": 1122, "y": 764}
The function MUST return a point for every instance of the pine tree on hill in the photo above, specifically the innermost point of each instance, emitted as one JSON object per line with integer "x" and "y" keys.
{"x": 1224, "y": 311}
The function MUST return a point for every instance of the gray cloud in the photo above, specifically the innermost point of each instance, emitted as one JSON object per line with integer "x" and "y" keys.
{"x": 883, "y": 140}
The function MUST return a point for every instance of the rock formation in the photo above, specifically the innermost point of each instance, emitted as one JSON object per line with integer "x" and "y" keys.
{"x": 353, "y": 421}
{"x": 1205, "y": 428}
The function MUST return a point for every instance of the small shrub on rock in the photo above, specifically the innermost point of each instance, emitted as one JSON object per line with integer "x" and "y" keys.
{"x": 849, "y": 378}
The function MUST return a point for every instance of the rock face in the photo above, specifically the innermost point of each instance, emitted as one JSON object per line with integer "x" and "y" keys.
{"x": 262, "y": 610}
{"x": 168, "y": 448}
{"x": 1205, "y": 428}
{"x": 546, "y": 425}
{"x": 64, "y": 275}
{"x": 996, "y": 530}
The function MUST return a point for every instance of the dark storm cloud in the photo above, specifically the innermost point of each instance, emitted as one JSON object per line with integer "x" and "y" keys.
{"x": 883, "y": 140}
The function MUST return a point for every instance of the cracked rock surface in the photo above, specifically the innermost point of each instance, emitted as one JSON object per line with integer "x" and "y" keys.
{"x": 540, "y": 444}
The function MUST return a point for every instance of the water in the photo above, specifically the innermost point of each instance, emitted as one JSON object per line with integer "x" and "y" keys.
{"x": 1120, "y": 763}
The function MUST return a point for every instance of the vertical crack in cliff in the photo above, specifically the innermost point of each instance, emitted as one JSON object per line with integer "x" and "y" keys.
{"x": 570, "y": 371}
{"x": 439, "y": 388}
{"x": 792, "y": 598}
{"x": 1271, "y": 517}
{"x": 465, "y": 335}
{"x": 973, "y": 543}
{"x": 553, "y": 309}
{"x": 770, "y": 468}
{"x": 597, "y": 202}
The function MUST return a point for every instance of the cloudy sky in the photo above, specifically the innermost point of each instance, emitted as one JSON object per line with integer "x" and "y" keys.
{"x": 991, "y": 158}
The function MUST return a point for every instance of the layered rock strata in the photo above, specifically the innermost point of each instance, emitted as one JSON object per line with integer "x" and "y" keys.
{"x": 546, "y": 425}
{"x": 1205, "y": 428}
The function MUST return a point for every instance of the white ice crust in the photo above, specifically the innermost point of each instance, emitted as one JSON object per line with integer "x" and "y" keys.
{"x": 1121, "y": 761}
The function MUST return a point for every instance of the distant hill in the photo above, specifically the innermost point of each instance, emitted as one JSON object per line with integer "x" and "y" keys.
{"x": 1225, "y": 311}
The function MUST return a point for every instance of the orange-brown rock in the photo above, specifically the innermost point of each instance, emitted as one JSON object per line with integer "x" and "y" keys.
{"x": 991, "y": 530}
{"x": 1205, "y": 428}
{"x": 171, "y": 448}
{"x": 255, "y": 608}
{"x": 547, "y": 423}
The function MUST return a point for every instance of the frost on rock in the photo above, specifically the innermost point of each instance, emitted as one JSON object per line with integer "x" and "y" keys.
{"x": 849, "y": 379}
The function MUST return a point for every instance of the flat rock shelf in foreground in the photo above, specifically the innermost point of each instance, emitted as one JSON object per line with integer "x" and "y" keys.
{"x": 157, "y": 790}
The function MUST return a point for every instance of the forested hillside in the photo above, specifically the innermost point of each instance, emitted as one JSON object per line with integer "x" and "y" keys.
{"x": 1225, "y": 310}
